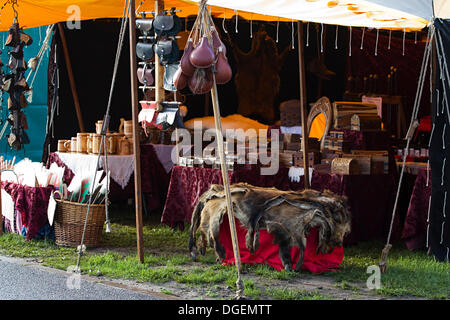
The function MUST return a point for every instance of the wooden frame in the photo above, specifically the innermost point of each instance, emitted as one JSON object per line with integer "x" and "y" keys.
{"x": 323, "y": 105}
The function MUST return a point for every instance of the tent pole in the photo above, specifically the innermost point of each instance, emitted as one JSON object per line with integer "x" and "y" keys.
{"x": 303, "y": 101}
{"x": 159, "y": 69}
{"x": 136, "y": 146}
{"x": 71, "y": 78}
{"x": 225, "y": 178}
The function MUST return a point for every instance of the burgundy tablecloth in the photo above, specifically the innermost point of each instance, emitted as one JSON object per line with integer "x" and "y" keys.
{"x": 415, "y": 226}
{"x": 371, "y": 198}
{"x": 154, "y": 179}
{"x": 366, "y": 140}
{"x": 31, "y": 203}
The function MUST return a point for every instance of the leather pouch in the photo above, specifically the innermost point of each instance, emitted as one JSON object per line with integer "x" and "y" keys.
{"x": 144, "y": 51}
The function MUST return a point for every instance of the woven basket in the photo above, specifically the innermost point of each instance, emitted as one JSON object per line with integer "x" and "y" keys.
{"x": 69, "y": 223}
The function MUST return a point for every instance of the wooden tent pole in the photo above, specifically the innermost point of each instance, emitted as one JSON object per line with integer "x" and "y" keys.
{"x": 303, "y": 102}
{"x": 225, "y": 178}
{"x": 71, "y": 78}
{"x": 136, "y": 145}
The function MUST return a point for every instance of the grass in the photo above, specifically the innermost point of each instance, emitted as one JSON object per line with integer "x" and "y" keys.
{"x": 167, "y": 260}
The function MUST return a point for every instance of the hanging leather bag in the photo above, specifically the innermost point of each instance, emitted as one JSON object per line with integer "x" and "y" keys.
{"x": 144, "y": 51}
{"x": 167, "y": 50}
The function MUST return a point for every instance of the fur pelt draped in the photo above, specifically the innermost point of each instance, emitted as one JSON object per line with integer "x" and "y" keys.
{"x": 287, "y": 215}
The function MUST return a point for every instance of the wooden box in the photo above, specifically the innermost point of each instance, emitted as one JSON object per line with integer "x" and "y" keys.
{"x": 344, "y": 166}
{"x": 344, "y": 110}
{"x": 313, "y": 158}
{"x": 286, "y": 159}
{"x": 290, "y": 115}
{"x": 364, "y": 162}
{"x": 366, "y": 122}
{"x": 336, "y": 144}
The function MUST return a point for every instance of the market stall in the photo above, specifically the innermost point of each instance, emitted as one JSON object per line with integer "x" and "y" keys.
{"x": 332, "y": 157}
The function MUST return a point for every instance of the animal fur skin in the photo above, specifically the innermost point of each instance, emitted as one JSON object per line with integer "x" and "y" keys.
{"x": 287, "y": 215}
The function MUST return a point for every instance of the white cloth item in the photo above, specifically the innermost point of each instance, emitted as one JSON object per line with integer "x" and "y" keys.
{"x": 296, "y": 172}
{"x": 291, "y": 130}
{"x": 121, "y": 167}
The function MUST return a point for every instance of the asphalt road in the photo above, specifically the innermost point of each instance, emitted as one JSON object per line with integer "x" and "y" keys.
{"x": 28, "y": 282}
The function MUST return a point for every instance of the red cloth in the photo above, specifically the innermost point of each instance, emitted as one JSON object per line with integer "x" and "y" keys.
{"x": 268, "y": 252}
{"x": 154, "y": 179}
{"x": 425, "y": 124}
{"x": 415, "y": 227}
{"x": 31, "y": 203}
{"x": 371, "y": 198}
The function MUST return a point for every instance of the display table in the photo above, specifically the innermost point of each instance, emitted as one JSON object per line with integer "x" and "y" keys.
{"x": 371, "y": 198}
{"x": 415, "y": 226}
{"x": 30, "y": 208}
{"x": 154, "y": 177}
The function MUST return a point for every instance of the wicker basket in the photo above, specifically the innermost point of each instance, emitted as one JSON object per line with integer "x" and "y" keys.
{"x": 69, "y": 223}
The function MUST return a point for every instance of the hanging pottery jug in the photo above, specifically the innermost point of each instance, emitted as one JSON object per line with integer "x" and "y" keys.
{"x": 179, "y": 79}
{"x": 201, "y": 82}
{"x": 223, "y": 69}
{"x": 202, "y": 56}
{"x": 185, "y": 62}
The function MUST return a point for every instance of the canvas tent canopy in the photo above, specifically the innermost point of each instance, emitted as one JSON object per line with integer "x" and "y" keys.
{"x": 383, "y": 14}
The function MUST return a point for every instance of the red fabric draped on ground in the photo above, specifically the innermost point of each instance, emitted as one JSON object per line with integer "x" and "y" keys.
{"x": 268, "y": 252}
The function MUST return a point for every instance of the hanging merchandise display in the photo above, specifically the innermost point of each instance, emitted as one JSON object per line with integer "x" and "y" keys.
{"x": 15, "y": 83}
{"x": 158, "y": 35}
{"x": 204, "y": 55}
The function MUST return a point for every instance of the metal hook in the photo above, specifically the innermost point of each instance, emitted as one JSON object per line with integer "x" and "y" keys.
{"x": 389, "y": 43}
{"x": 223, "y": 21}
{"x": 292, "y": 31}
{"x": 376, "y": 43}
{"x": 307, "y": 35}
{"x": 336, "y": 41}
{"x": 321, "y": 37}
{"x": 362, "y": 39}
{"x": 350, "y": 43}
{"x": 236, "y": 28}
{"x": 251, "y": 27}
{"x": 404, "y": 34}
{"x": 278, "y": 28}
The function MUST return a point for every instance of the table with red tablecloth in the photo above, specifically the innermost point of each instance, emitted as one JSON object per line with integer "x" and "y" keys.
{"x": 31, "y": 205}
{"x": 415, "y": 226}
{"x": 370, "y": 197}
{"x": 154, "y": 179}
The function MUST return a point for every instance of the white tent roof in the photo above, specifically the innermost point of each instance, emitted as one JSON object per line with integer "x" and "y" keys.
{"x": 383, "y": 14}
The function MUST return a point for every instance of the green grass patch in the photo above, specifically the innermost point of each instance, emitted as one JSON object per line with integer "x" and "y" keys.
{"x": 167, "y": 259}
{"x": 290, "y": 294}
